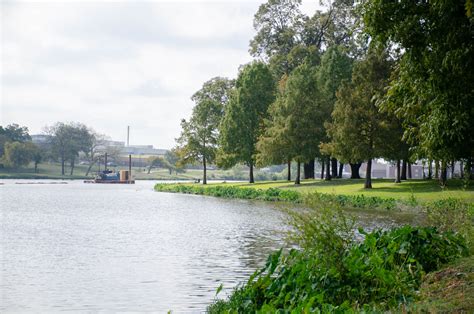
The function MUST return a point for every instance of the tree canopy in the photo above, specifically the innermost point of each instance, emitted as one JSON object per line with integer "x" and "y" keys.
{"x": 433, "y": 92}
{"x": 199, "y": 135}
{"x": 244, "y": 116}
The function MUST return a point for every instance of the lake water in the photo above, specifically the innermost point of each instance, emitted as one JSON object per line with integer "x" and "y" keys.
{"x": 88, "y": 247}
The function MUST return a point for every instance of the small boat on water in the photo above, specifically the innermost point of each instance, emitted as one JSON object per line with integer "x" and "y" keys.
{"x": 110, "y": 177}
{"x": 114, "y": 177}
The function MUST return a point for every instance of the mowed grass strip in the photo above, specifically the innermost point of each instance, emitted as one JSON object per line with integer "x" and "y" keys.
{"x": 421, "y": 190}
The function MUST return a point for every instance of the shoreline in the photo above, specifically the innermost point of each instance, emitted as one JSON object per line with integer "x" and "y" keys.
{"x": 281, "y": 191}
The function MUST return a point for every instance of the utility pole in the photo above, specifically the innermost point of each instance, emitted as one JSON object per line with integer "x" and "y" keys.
{"x": 128, "y": 135}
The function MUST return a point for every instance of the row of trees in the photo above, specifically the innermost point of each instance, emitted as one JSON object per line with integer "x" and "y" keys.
{"x": 346, "y": 84}
{"x": 66, "y": 141}
{"x": 16, "y": 148}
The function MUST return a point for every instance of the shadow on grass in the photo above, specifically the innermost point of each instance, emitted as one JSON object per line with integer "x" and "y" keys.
{"x": 413, "y": 186}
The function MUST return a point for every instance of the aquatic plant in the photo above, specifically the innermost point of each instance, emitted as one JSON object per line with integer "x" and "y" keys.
{"x": 379, "y": 273}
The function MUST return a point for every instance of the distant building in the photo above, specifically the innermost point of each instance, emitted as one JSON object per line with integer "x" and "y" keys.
{"x": 143, "y": 150}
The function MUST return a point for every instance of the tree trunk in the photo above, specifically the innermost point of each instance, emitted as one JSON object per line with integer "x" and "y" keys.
{"x": 89, "y": 168}
{"x": 298, "y": 173}
{"x": 368, "y": 175}
{"x": 308, "y": 168}
{"x": 430, "y": 169}
{"x": 467, "y": 169}
{"x": 170, "y": 170}
{"x": 355, "y": 170}
{"x": 36, "y": 167}
{"x": 204, "y": 176}
{"x": 72, "y": 166}
{"x": 149, "y": 168}
{"x": 341, "y": 168}
{"x": 404, "y": 170}
{"x": 453, "y": 164}
{"x": 436, "y": 174}
{"x": 409, "y": 170}
{"x": 288, "y": 177}
{"x": 62, "y": 163}
{"x": 251, "y": 180}
{"x": 444, "y": 173}
{"x": 461, "y": 169}
{"x": 328, "y": 169}
{"x": 334, "y": 167}
{"x": 397, "y": 174}
{"x": 322, "y": 169}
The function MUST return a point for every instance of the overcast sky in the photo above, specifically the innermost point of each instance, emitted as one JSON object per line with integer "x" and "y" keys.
{"x": 110, "y": 64}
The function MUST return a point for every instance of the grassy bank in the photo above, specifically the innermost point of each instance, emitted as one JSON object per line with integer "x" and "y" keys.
{"x": 423, "y": 190}
{"x": 279, "y": 195}
{"x": 448, "y": 290}
{"x": 45, "y": 171}
{"x": 345, "y": 192}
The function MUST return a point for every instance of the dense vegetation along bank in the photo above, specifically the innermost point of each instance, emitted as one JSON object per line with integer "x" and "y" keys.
{"x": 390, "y": 198}
{"x": 383, "y": 272}
{"x": 336, "y": 271}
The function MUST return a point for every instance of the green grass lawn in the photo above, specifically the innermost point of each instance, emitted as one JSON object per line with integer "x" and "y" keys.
{"x": 45, "y": 171}
{"x": 422, "y": 190}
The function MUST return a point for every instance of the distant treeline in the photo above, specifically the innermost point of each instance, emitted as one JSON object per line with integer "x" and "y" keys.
{"x": 64, "y": 143}
{"x": 68, "y": 144}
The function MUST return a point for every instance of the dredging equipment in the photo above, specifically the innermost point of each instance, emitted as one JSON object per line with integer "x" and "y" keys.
{"x": 114, "y": 177}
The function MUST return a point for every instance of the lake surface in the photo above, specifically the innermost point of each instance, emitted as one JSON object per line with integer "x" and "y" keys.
{"x": 88, "y": 247}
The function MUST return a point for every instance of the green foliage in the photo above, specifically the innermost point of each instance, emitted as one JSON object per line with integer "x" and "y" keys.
{"x": 453, "y": 215}
{"x": 199, "y": 135}
{"x": 336, "y": 271}
{"x": 276, "y": 25}
{"x": 244, "y": 115}
{"x": 359, "y": 131}
{"x": 352, "y": 201}
{"x": 232, "y": 192}
{"x": 382, "y": 271}
{"x": 433, "y": 91}
{"x": 312, "y": 199}
{"x": 304, "y": 126}
{"x": 19, "y": 154}
{"x": 68, "y": 140}
{"x": 158, "y": 162}
{"x": 13, "y": 133}
{"x": 273, "y": 144}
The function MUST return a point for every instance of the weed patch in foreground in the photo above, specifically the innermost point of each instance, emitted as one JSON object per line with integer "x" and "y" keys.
{"x": 379, "y": 273}
{"x": 339, "y": 269}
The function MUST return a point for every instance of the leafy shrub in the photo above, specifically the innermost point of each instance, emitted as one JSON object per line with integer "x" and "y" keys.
{"x": 275, "y": 194}
{"x": 270, "y": 194}
{"x": 382, "y": 271}
{"x": 335, "y": 270}
{"x": 453, "y": 215}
